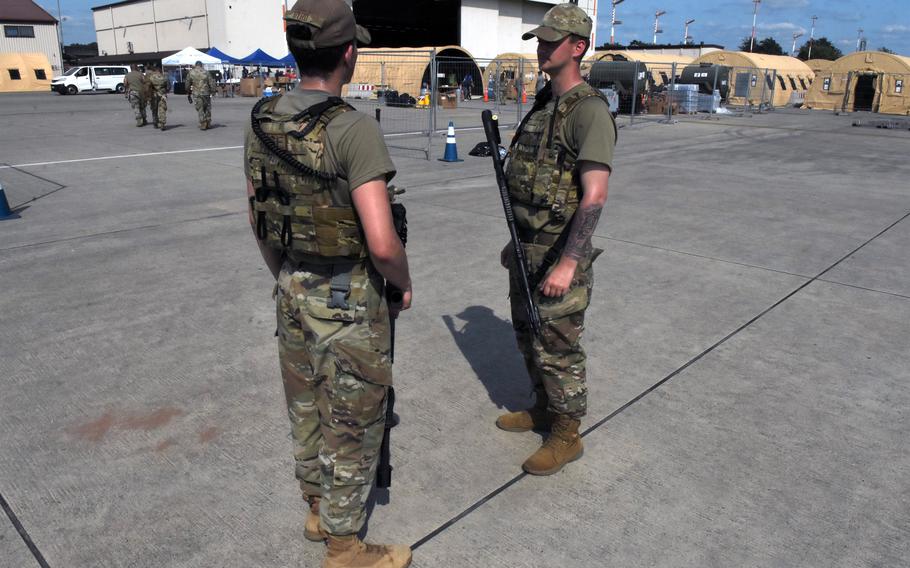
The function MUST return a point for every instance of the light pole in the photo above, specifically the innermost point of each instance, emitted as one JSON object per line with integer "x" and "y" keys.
{"x": 812, "y": 36}
{"x": 796, "y": 36}
{"x": 614, "y": 22}
{"x": 754, "y": 21}
{"x": 657, "y": 29}
{"x": 60, "y": 33}
{"x": 686, "y": 37}
{"x": 859, "y": 39}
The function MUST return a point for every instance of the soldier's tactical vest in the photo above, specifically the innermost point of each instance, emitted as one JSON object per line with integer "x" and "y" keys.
{"x": 157, "y": 83}
{"x": 199, "y": 80}
{"x": 540, "y": 172}
{"x": 295, "y": 205}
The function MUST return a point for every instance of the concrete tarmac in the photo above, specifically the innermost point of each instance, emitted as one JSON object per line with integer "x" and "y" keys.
{"x": 747, "y": 341}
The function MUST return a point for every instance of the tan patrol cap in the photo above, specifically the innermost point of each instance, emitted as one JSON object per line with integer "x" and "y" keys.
{"x": 332, "y": 22}
{"x": 560, "y": 21}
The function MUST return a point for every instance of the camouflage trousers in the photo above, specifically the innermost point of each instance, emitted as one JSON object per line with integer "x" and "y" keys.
{"x": 158, "y": 105}
{"x": 336, "y": 370}
{"x": 555, "y": 360}
{"x": 138, "y": 104}
{"x": 203, "y": 107}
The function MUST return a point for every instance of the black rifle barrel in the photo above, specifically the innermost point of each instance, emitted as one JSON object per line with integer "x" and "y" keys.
{"x": 384, "y": 470}
{"x": 491, "y": 128}
{"x": 393, "y": 296}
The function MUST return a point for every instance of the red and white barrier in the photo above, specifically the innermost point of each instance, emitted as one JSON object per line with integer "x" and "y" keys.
{"x": 360, "y": 91}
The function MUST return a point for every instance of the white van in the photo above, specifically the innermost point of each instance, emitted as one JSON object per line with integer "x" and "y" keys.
{"x": 90, "y": 78}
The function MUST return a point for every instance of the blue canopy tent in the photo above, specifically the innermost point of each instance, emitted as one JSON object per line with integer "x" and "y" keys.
{"x": 288, "y": 60}
{"x": 224, "y": 57}
{"x": 260, "y": 57}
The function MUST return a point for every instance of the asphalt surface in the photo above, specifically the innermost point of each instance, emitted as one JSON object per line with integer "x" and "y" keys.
{"x": 749, "y": 369}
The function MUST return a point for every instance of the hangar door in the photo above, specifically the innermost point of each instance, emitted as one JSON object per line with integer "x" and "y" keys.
{"x": 410, "y": 23}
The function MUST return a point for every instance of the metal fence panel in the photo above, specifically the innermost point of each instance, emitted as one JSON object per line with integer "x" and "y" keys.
{"x": 395, "y": 86}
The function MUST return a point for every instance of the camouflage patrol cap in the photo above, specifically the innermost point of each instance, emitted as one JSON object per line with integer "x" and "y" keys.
{"x": 560, "y": 21}
{"x": 332, "y": 22}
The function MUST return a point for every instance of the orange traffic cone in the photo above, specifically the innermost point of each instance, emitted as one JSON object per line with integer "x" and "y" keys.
{"x": 486, "y": 96}
{"x": 524, "y": 97}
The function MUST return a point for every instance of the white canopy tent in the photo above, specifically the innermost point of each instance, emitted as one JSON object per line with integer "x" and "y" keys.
{"x": 189, "y": 56}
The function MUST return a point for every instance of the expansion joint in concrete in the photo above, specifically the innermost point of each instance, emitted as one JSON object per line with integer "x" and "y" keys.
{"x": 496, "y": 492}
{"x": 17, "y": 524}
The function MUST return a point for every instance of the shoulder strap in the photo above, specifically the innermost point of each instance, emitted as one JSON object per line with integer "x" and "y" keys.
{"x": 321, "y": 112}
{"x": 540, "y": 101}
{"x": 259, "y": 114}
{"x": 566, "y": 105}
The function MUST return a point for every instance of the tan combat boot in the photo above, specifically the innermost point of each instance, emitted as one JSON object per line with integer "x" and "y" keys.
{"x": 350, "y": 552}
{"x": 534, "y": 418}
{"x": 563, "y": 446}
{"x": 311, "y": 530}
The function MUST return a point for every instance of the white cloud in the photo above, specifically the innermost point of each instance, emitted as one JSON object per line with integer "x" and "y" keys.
{"x": 897, "y": 29}
{"x": 787, "y": 3}
{"x": 782, "y": 27}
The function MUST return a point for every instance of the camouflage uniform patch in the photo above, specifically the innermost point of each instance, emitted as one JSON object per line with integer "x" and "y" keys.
{"x": 202, "y": 86}
{"x": 336, "y": 368}
{"x": 556, "y": 359}
{"x": 158, "y": 98}
{"x": 137, "y": 103}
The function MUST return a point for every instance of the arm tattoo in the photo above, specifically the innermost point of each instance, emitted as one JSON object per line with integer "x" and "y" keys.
{"x": 582, "y": 228}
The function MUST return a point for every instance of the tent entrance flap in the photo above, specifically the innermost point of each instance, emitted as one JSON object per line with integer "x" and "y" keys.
{"x": 864, "y": 93}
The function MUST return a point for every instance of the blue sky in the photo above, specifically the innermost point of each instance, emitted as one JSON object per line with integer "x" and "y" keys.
{"x": 886, "y": 22}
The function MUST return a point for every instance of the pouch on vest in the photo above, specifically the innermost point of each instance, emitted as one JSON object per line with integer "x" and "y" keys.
{"x": 579, "y": 295}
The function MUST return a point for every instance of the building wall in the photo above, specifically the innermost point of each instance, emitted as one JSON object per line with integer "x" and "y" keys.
{"x": 252, "y": 25}
{"x": 237, "y": 27}
{"x": 45, "y": 41}
{"x": 154, "y": 25}
{"x": 491, "y": 27}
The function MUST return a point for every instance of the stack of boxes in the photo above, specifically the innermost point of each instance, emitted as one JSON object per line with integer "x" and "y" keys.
{"x": 685, "y": 97}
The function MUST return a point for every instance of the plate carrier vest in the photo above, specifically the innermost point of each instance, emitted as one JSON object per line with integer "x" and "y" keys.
{"x": 539, "y": 172}
{"x": 294, "y": 204}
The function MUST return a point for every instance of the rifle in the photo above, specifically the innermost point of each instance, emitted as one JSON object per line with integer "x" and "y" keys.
{"x": 491, "y": 128}
{"x": 393, "y": 296}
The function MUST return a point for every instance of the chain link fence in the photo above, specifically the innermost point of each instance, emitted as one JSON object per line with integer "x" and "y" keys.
{"x": 658, "y": 91}
{"x": 415, "y": 94}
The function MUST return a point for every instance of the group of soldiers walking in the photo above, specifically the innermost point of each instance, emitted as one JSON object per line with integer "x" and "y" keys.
{"x": 317, "y": 174}
{"x": 149, "y": 91}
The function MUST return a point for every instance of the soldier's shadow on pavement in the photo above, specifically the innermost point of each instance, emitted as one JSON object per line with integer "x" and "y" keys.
{"x": 488, "y": 344}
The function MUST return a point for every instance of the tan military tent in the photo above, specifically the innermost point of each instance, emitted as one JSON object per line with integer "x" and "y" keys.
{"x": 407, "y": 69}
{"x": 24, "y": 72}
{"x": 660, "y": 66}
{"x": 505, "y": 67}
{"x": 819, "y": 65}
{"x": 755, "y": 78}
{"x": 865, "y": 80}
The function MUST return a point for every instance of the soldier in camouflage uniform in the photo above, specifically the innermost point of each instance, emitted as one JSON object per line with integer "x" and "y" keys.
{"x": 316, "y": 178}
{"x": 557, "y": 173}
{"x": 158, "y": 87}
{"x": 136, "y": 88}
{"x": 200, "y": 86}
